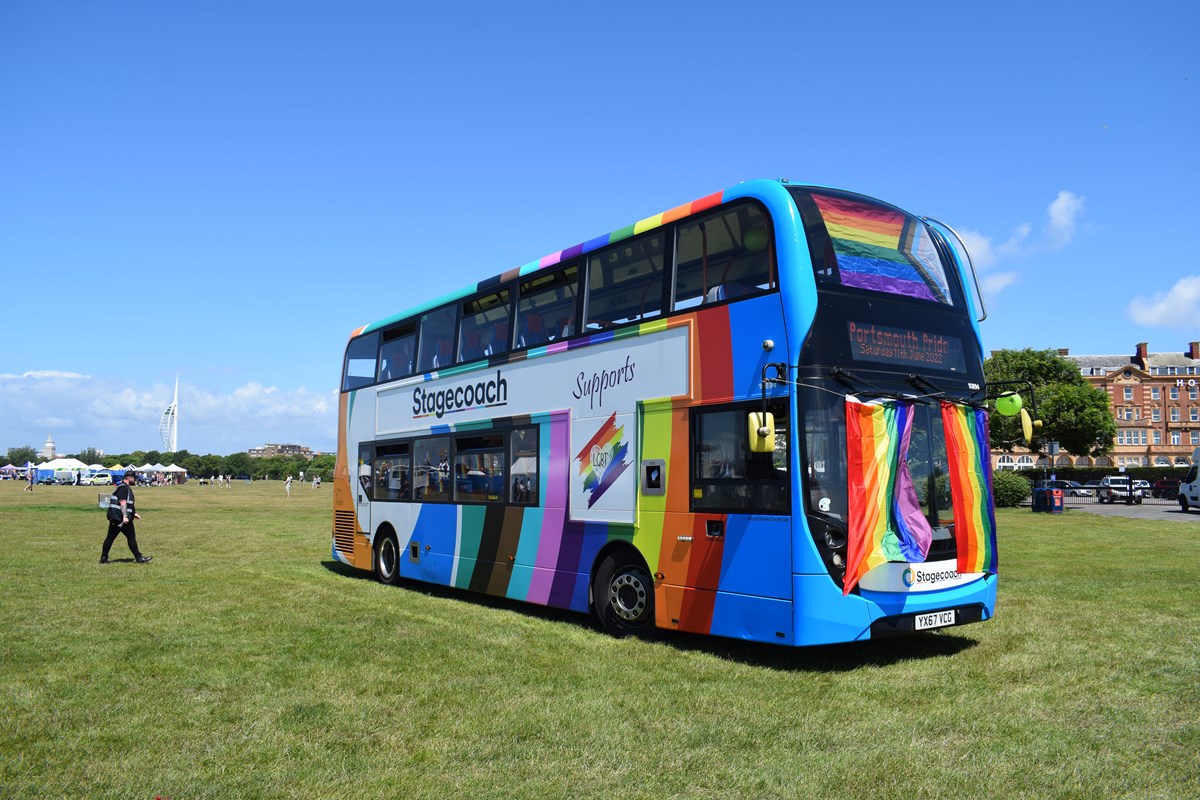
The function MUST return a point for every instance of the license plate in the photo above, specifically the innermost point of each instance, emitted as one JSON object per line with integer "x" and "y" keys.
{"x": 938, "y": 619}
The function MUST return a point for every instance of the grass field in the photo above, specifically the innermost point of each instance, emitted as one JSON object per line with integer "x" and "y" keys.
{"x": 243, "y": 663}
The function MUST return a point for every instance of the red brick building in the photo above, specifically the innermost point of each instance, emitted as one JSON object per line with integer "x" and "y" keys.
{"x": 1155, "y": 399}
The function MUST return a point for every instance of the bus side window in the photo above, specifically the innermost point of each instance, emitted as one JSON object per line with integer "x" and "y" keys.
{"x": 483, "y": 330}
{"x": 479, "y": 468}
{"x": 723, "y": 256}
{"x": 523, "y": 466}
{"x": 437, "y": 335}
{"x": 726, "y": 476}
{"x": 431, "y": 468}
{"x": 624, "y": 282}
{"x": 396, "y": 353}
{"x": 546, "y": 307}
{"x": 366, "y": 482}
{"x": 390, "y": 473}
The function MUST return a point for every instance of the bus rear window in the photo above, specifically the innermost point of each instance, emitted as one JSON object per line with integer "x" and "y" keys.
{"x": 361, "y": 356}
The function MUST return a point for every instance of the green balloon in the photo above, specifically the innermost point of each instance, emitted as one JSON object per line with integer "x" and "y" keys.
{"x": 1009, "y": 404}
{"x": 755, "y": 239}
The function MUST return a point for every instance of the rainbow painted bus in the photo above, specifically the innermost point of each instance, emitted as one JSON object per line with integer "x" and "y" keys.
{"x": 758, "y": 415}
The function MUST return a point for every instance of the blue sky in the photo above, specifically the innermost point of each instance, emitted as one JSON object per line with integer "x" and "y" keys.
{"x": 224, "y": 190}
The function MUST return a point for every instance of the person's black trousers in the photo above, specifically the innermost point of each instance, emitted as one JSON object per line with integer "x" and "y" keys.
{"x": 130, "y": 536}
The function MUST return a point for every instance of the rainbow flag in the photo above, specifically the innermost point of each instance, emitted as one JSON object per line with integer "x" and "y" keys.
{"x": 885, "y": 518}
{"x": 971, "y": 487}
{"x": 883, "y": 249}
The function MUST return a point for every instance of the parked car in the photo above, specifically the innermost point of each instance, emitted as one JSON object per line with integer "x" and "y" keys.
{"x": 99, "y": 479}
{"x": 1167, "y": 488}
{"x": 1069, "y": 488}
{"x": 1144, "y": 485}
{"x": 1116, "y": 489}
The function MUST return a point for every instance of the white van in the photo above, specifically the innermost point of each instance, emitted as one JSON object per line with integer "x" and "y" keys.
{"x": 1189, "y": 487}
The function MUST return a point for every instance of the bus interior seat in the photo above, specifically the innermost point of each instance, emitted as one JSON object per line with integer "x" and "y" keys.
{"x": 499, "y": 342}
{"x": 565, "y": 327}
{"x": 472, "y": 347}
{"x": 533, "y": 332}
{"x": 442, "y": 358}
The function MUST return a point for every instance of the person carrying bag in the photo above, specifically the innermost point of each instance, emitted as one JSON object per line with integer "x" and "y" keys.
{"x": 121, "y": 514}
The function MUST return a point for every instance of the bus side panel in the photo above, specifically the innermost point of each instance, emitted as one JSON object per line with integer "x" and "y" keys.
{"x": 434, "y": 528}
{"x": 554, "y": 445}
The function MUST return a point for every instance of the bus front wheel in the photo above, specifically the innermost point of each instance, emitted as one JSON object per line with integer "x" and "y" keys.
{"x": 623, "y": 595}
{"x": 387, "y": 560}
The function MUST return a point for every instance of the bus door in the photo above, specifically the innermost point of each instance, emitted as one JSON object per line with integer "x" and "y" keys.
{"x": 364, "y": 488}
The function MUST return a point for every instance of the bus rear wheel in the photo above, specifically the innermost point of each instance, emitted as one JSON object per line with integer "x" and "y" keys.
{"x": 387, "y": 560}
{"x": 623, "y": 595}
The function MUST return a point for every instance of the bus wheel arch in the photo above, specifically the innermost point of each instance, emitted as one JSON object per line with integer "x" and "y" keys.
{"x": 386, "y": 556}
{"x": 622, "y": 592}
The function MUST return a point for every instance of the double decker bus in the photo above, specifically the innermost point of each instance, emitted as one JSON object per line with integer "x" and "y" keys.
{"x": 758, "y": 415}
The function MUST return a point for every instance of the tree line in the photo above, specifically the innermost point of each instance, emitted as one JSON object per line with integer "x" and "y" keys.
{"x": 239, "y": 465}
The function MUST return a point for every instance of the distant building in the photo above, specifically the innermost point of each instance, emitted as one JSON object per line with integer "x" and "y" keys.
{"x": 1155, "y": 399}
{"x": 48, "y": 451}
{"x": 281, "y": 450}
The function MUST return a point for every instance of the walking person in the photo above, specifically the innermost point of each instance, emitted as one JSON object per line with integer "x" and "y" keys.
{"x": 287, "y": 486}
{"x": 31, "y": 475}
{"x": 124, "y": 498}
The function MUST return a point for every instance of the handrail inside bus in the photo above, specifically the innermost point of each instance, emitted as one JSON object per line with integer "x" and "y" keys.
{"x": 974, "y": 276}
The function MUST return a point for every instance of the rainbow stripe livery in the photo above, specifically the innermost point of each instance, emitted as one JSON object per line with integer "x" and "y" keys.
{"x": 597, "y": 454}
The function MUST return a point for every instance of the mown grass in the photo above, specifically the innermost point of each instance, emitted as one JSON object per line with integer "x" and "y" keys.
{"x": 243, "y": 663}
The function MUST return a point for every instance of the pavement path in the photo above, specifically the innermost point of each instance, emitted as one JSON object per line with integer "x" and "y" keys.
{"x": 1167, "y": 513}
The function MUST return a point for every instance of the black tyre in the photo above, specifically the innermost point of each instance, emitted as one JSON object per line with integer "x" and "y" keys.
{"x": 623, "y": 595}
{"x": 1183, "y": 503}
{"x": 387, "y": 559}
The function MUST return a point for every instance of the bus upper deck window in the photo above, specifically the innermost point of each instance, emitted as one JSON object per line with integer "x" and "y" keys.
{"x": 437, "y": 339}
{"x": 396, "y": 353}
{"x": 546, "y": 309}
{"x": 723, "y": 256}
{"x": 625, "y": 282}
{"x": 483, "y": 330}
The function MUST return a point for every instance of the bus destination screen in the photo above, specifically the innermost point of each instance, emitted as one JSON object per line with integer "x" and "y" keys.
{"x": 911, "y": 348}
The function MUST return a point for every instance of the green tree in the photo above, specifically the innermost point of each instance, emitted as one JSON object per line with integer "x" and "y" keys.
{"x": 18, "y": 456}
{"x": 1074, "y": 414}
{"x": 323, "y": 466}
{"x": 89, "y": 455}
{"x": 238, "y": 464}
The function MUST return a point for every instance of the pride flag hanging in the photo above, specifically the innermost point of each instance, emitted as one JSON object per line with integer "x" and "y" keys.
{"x": 882, "y": 249}
{"x": 971, "y": 487}
{"x": 885, "y": 519}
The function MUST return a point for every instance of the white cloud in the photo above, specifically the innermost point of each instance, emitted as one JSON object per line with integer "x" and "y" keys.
{"x": 1064, "y": 213}
{"x": 1062, "y": 221}
{"x": 81, "y": 411}
{"x": 980, "y": 248}
{"x": 998, "y": 281}
{"x": 44, "y": 374}
{"x": 1178, "y": 307}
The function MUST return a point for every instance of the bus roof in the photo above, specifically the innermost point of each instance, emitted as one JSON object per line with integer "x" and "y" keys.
{"x": 769, "y": 191}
